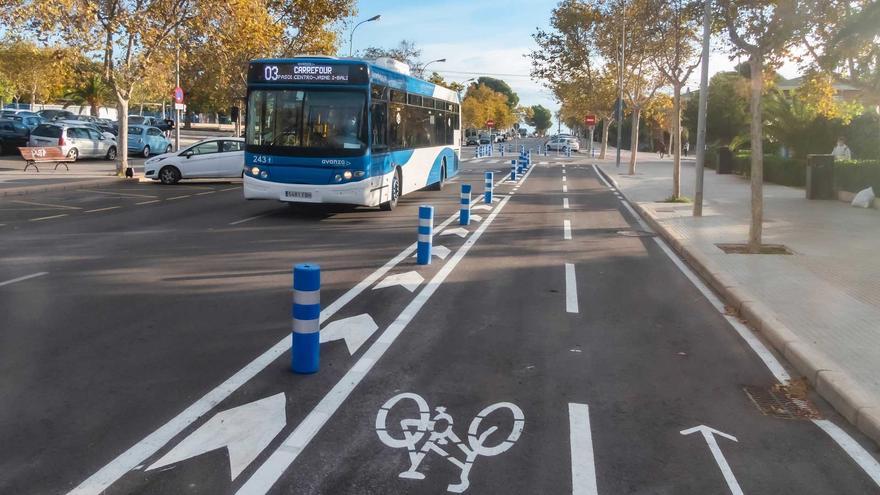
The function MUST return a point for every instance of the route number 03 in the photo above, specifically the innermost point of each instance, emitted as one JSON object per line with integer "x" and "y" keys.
{"x": 270, "y": 73}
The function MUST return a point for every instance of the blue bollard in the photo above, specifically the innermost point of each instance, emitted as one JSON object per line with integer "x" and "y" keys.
{"x": 529, "y": 160}
{"x": 512, "y": 169}
{"x": 464, "y": 212}
{"x": 426, "y": 234}
{"x": 519, "y": 164}
{"x": 487, "y": 190}
{"x": 305, "y": 346}
{"x": 502, "y": 151}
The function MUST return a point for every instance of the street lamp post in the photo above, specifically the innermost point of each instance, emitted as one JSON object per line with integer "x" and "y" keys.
{"x": 422, "y": 70}
{"x": 351, "y": 36}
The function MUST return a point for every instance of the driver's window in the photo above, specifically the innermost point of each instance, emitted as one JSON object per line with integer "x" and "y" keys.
{"x": 206, "y": 148}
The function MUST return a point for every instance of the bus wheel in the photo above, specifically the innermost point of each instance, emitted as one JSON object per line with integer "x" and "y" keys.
{"x": 438, "y": 186}
{"x": 395, "y": 193}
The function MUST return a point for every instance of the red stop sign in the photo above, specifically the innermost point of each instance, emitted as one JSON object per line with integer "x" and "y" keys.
{"x": 590, "y": 120}
{"x": 490, "y": 123}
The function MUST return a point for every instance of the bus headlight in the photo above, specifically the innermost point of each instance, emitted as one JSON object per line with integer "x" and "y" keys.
{"x": 264, "y": 174}
{"x": 255, "y": 171}
{"x": 337, "y": 178}
{"x": 346, "y": 175}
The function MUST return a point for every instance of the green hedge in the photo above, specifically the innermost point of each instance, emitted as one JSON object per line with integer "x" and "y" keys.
{"x": 850, "y": 176}
{"x": 855, "y": 175}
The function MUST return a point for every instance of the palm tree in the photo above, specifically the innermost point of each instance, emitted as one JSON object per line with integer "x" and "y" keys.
{"x": 92, "y": 91}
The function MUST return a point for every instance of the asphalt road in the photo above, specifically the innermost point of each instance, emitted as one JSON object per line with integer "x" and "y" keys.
{"x": 552, "y": 347}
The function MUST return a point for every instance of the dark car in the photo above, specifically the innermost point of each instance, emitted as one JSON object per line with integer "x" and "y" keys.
{"x": 12, "y": 135}
{"x": 51, "y": 115}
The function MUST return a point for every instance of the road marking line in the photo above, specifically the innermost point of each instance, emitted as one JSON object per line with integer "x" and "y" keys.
{"x": 45, "y": 204}
{"x": 565, "y": 203}
{"x": 26, "y": 277}
{"x": 845, "y": 441}
{"x": 566, "y": 230}
{"x": 148, "y": 202}
{"x": 564, "y": 188}
{"x": 102, "y": 209}
{"x": 571, "y": 290}
{"x": 274, "y": 467}
{"x": 236, "y": 188}
{"x": 178, "y": 197}
{"x": 119, "y": 194}
{"x": 47, "y": 218}
{"x": 583, "y": 462}
{"x": 152, "y": 443}
{"x": 601, "y": 176}
{"x": 243, "y": 220}
{"x": 204, "y": 193}
{"x": 563, "y": 178}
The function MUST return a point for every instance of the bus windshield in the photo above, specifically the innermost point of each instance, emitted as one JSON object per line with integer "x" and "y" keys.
{"x": 310, "y": 122}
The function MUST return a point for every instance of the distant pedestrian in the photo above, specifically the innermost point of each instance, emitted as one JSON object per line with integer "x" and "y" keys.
{"x": 661, "y": 148}
{"x": 841, "y": 151}
{"x": 687, "y": 147}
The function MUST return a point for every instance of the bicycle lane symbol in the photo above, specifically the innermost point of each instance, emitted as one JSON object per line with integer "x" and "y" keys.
{"x": 440, "y": 433}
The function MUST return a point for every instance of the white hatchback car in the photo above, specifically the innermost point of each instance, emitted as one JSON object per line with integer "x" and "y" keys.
{"x": 209, "y": 158}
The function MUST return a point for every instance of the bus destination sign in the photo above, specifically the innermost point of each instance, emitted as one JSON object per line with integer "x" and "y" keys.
{"x": 305, "y": 72}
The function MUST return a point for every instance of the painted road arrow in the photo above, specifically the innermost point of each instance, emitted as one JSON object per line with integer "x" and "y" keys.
{"x": 709, "y": 435}
{"x": 439, "y": 251}
{"x": 245, "y": 431}
{"x": 409, "y": 280}
{"x": 461, "y": 232}
{"x": 354, "y": 330}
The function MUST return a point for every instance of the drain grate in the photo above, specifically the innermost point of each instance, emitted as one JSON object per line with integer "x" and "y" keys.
{"x": 778, "y": 402}
{"x": 635, "y": 233}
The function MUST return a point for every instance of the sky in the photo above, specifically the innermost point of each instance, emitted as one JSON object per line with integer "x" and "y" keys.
{"x": 478, "y": 37}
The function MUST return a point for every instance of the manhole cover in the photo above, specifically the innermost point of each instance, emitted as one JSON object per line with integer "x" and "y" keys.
{"x": 635, "y": 233}
{"x": 778, "y": 402}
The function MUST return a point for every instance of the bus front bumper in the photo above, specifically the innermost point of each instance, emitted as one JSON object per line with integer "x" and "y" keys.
{"x": 361, "y": 193}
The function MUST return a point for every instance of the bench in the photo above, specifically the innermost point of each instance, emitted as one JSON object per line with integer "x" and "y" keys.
{"x": 44, "y": 154}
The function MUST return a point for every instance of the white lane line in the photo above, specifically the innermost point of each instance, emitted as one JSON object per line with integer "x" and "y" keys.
{"x": 178, "y": 197}
{"x": 565, "y": 203}
{"x": 286, "y": 453}
{"x": 571, "y": 289}
{"x": 148, "y": 202}
{"x": 26, "y": 277}
{"x": 149, "y": 445}
{"x": 110, "y": 193}
{"x": 601, "y": 176}
{"x": 236, "y": 188}
{"x": 47, "y": 218}
{"x": 566, "y": 230}
{"x": 857, "y": 453}
{"x": 564, "y": 188}
{"x": 248, "y": 219}
{"x": 564, "y": 178}
{"x": 102, "y": 209}
{"x": 50, "y": 205}
{"x": 583, "y": 462}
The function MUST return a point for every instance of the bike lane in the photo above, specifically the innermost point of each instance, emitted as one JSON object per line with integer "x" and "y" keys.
{"x": 645, "y": 357}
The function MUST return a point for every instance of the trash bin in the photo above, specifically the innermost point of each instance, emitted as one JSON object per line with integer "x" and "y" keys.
{"x": 820, "y": 177}
{"x": 725, "y": 161}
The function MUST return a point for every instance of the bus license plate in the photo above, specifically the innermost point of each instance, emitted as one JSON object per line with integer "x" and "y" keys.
{"x": 298, "y": 194}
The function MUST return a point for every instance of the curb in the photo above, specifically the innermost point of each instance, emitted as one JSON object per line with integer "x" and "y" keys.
{"x": 836, "y": 387}
{"x": 62, "y": 186}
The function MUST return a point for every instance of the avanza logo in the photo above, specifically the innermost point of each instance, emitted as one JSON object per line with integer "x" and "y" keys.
{"x": 335, "y": 162}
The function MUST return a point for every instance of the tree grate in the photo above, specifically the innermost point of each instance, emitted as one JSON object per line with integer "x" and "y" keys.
{"x": 779, "y": 402}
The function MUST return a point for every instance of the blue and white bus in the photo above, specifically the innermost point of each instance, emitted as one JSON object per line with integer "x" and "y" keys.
{"x": 328, "y": 130}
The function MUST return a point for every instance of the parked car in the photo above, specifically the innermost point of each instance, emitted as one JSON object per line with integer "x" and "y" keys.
{"x": 51, "y": 115}
{"x": 12, "y": 135}
{"x": 145, "y": 140}
{"x": 29, "y": 121}
{"x": 213, "y": 157}
{"x": 560, "y": 143}
{"x": 163, "y": 124}
{"x": 485, "y": 138}
{"x": 90, "y": 125}
{"x": 75, "y": 141}
{"x": 472, "y": 141}
{"x": 12, "y": 112}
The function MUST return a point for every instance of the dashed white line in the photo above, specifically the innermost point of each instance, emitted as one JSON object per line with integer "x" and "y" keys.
{"x": 583, "y": 462}
{"x": 571, "y": 290}
{"x": 148, "y": 202}
{"x": 204, "y": 193}
{"x": 564, "y": 178}
{"x": 102, "y": 209}
{"x": 248, "y": 219}
{"x": 26, "y": 277}
{"x": 47, "y": 218}
{"x": 566, "y": 229}
{"x": 178, "y": 197}
{"x": 564, "y": 188}
{"x": 33, "y": 203}
{"x": 565, "y": 203}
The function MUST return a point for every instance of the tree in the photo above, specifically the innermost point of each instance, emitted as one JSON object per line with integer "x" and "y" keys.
{"x": 91, "y": 90}
{"x": 482, "y": 103}
{"x": 34, "y": 72}
{"x": 675, "y": 25}
{"x": 406, "y": 51}
{"x": 438, "y": 80}
{"x": 580, "y": 98}
{"x": 541, "y": 119}
{"x": 501, "y": 87}
{"x": 763, "y": 30}
{"x": 727, "y": 104}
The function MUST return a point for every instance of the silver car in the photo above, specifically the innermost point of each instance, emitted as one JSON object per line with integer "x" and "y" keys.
{"x": 75, "y": 141}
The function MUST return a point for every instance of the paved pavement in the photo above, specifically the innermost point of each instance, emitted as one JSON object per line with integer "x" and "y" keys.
{"x": 553, "y": 346}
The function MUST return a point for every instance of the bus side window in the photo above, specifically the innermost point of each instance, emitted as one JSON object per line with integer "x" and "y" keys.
{"x": 379, "y": 117}
{"x": 396, "y": 126}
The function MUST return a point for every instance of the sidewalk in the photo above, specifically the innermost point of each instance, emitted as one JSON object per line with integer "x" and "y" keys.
{"x": 819, "y": 307}
{"x": 14, "y": 181}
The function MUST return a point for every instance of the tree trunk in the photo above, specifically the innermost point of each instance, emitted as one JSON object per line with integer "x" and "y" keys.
{"x": 93, "y": 105}
{"x": 606, "y": 123}
{"x": 756, "y": 64}
{"x": 122, "y": 141}
{"x": 675, "y": 141}
{"x": 634, "y": 139}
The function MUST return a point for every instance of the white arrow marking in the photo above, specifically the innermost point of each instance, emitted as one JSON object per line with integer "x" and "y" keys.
{"x": 354, "y": 330}
{"x": 409, "y": 280}
{"x": 476, "y": 218}
{"x": 244, "y": 430}
{"x": 481, "y": 207}
{"x": 709, "y": 435}
{"x": 439, "y": 251}
{"x": 461, "y": 232}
